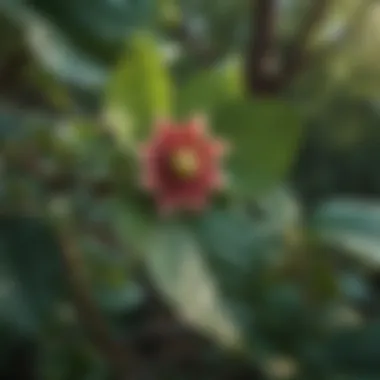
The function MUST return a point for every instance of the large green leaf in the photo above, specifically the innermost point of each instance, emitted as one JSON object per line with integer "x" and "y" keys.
{"x": 131, "y": 223}
{"x": 206, "y": 90}
{"x": 59, "y": 56}
{"x": 140, "y": 90}
{"x": 97, "y": 27}
{"x": 177, "y": 267}
{"x": 264, "y": 135}
{"x": 215, "y": 268}
{"x": 352, "y": 226}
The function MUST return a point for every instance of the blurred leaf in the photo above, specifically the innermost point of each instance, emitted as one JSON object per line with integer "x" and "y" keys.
{"x": 8, "y": 46}
{"x": 121, "y": 298}
{"x": 15, "y": 313}
{"x": 111, "y": 276}
{"x": 140, "y": 90}
{"x": 58, "y": 55}
{"x": 356, "y": 351}
{"x": 178, "y": 269}
{"x": 352, "y": 226}
{"x": 219, "y": 264}
{"x": 69, "y": 357}
{"x": 33, "y": 279}
{"x": 97, "y": 27}
{"x": 61, "y": 58}
{"x": 264, "y": 135}
{"x": 132, "y": 223}
{"x": 354, "y": 287}
{"x": 241, "y": 238}
{"x": 239, "y": 251}
{"x": 283, "y": 316}
{"x": 208, "y": 89}
{"x": 170, "y": 14}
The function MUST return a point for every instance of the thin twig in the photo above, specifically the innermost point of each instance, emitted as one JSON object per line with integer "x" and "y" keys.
{"x": 123, "y": 361}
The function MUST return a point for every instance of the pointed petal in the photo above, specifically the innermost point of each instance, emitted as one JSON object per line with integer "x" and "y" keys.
{"x": 218, "y": 181}
{"x": 198, "y": 125}
{"x": 219, "y": 148}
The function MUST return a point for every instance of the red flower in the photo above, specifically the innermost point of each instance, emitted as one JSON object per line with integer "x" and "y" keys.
{"x": 181, "y": 165}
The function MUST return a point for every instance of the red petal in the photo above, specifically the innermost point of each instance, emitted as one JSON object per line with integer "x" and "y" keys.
{"x": 219, "y": 148}
{"x": 198, "y": 126}
{"x": 217, "y": 181}
{"x": 172, "y": 192}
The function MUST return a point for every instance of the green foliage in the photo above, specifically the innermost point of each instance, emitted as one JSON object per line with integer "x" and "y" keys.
{"x": 259, "y": 161}
{"x": 352, "y": 226}
{"x": 175, "y": 262}
{"x": 206, "y": 90}
{"x": 281, "y": 267}
{"x": 97, "y": 27}
{"x": 32, "y": 278}
{"x": 140, "y": 90}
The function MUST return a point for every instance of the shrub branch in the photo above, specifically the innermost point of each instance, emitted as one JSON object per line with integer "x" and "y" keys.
{"x": 123, "y": 361}
{"x": 264, "y": 73}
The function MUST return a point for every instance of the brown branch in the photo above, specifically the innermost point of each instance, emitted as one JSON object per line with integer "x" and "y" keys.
{"x": 261, "y": 78}
{"x": 123, "y": 361}
{"x": 296, "y": 56}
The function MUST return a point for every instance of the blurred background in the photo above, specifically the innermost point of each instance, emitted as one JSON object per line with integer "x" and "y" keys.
{"x": 57, "y": 59}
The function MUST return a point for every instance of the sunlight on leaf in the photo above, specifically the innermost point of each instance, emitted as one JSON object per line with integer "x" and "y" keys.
{"x": 176, "y": 264}
{"x": 352, "y": 226}
{"x": 140, "y": 88}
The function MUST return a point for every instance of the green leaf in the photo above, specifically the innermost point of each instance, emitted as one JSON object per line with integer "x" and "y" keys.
{"x": 111, "y": 277}
{"x": 119, "y": 299}
{"x": 239, "y": 251}
{"x": 59, "y": 56}
{"x": 355, "y": 351}
{"x": 64, "y": 355}
{"x": 97, "y": 27}
{"x": 208, "y": 89}
{"x": 31, "y": 273}
{"x": 140, "y": 90}
{"x": 264, "y": 135}
{"x": 215, "y": 268}
{"x": 131, "y": 223}
{"x": 175, "y": 262}
{"x": 352, "y": 226}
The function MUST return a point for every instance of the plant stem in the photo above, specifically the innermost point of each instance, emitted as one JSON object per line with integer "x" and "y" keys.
{"x": 124, "y": 362}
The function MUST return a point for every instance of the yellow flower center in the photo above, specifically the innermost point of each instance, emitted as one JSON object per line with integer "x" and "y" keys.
{"x": 185, "y": 163}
